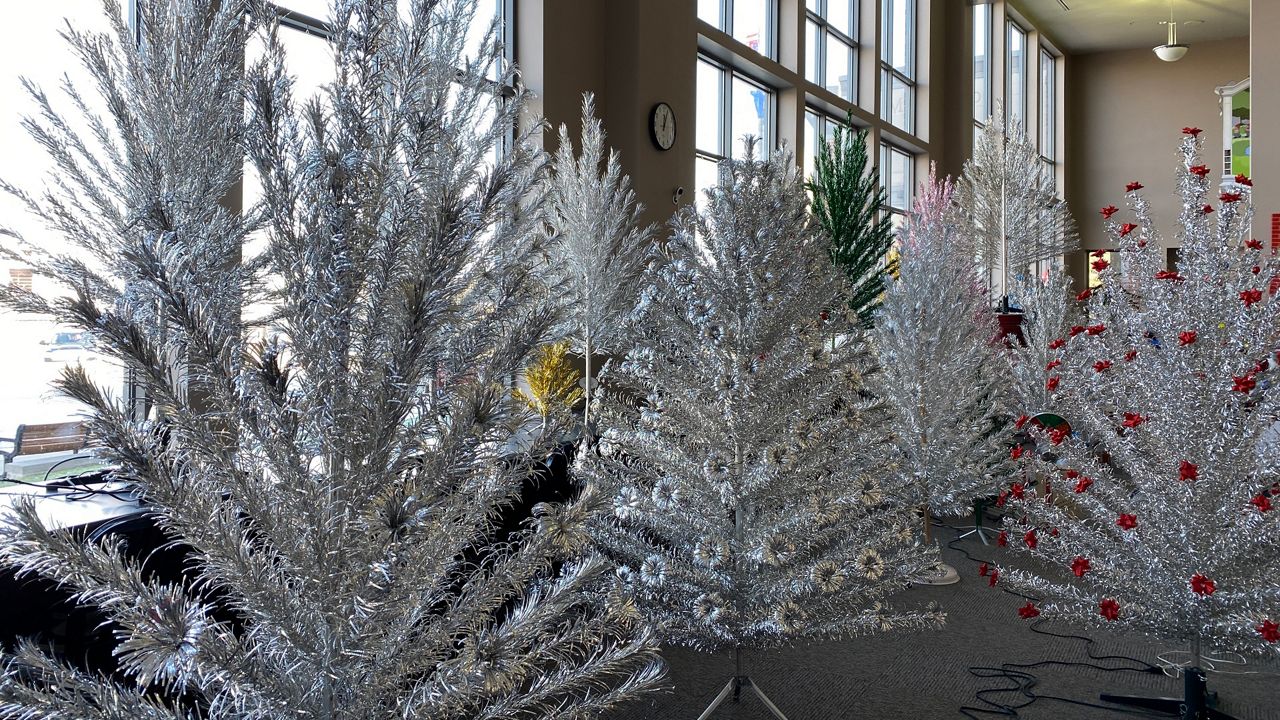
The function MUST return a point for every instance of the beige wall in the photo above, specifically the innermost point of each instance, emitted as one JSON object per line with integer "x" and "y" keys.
{"x": 1264, "y": 98}
{"x": 1125, "y": 113}
{"x": 631, "y": 54}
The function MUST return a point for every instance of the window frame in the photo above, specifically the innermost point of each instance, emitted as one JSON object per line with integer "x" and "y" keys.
{"x": 724, "y": 123}
{"x": 825, "y": 31}
{"x": 889, "y": 73}
{"x": 887, "y": 150}
{"x": 1012, "y": 26}
{"x": 1048, "y": 101}
{"x": 985, "y": 9}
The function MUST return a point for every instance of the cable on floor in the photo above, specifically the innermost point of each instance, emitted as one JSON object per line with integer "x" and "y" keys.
{"x": 1022, "y": 681}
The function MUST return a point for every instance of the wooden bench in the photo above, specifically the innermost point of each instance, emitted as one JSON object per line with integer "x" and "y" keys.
{"x": 49, "y": 438}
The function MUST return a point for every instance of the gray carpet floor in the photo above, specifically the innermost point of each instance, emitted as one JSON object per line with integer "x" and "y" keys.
{"x": 924, "y": 675}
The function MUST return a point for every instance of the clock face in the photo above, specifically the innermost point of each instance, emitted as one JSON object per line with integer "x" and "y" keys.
{"x": 662, "y": 126}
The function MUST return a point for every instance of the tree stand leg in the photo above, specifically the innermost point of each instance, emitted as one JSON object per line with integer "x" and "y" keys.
{"x": 979, "y": 508}
{"x": 734, "y": 687}
{"x": 1196, "y": 703}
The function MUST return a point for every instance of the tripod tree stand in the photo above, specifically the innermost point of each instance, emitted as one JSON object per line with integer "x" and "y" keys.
{"x": 1169, "y": 463}
{"x": 739, "y": 449}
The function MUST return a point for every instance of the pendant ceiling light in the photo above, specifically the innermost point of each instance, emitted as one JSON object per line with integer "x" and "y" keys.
{"x": 1172, "y": 50}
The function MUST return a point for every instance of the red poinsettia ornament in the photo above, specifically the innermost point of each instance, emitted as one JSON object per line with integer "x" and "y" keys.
{"x": 1100, "y": 265}
{"x": 1169, "y": 275}
{"x": 1199, "y": 170}
{"x": 1109, "y": 609}
{"x": 1206, "y": 209}
{"x": 1108, "y": 211}
{"x": 1052, "y": 383}
{"x": 1251, "y": 296}
{"x": 1192, "y": 131}
{"x": 1133, "y": 420}
{"x": 1080, "y": 566}
{"x": 1102, "y": 366}
{"x": 1083, "y": 295}
{"x": 1253, "y": 244}
{"x": 1202, "y": 585}
{"x": 1230, "y": 197}
{"x": 1188, "y": 470}
{"x": 1133, "y": 187}
{"x": 1028, "y": 611}
{"x": 1083, "y": 484}
{"x": 1262, "y": 503}
{"x": 1030, "y": 539}
{"x": 1269, "y": 630}
{"x": 1243, "y": 384}
{"x": 1096, "y": 329}
{"x": 1244, "y": 180}
{"x": 1056, "y": 343}
{"x": 1186, "y": 337}
{"x": 1127, "y": 521}
{"x": 1129, "y": 356}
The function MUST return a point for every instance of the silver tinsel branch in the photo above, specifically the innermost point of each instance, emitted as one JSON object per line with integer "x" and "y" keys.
{"x": 598, "y": 248}
{"x": 941, "y": 372}
{"x": 1011, "y": 206}
{"x": 1164, "y": 515}
{"x": 340, "y": 483}
{"x": 1047, "y": 312}
{"x": 743, "y": 458}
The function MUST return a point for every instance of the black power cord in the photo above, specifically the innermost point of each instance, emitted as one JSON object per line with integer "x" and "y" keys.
{"x": 1022, "y": 682}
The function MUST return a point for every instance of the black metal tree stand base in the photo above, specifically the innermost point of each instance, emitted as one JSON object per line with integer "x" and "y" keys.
{"x": 1196, "y": 703}
{"x": 734, "y": 688}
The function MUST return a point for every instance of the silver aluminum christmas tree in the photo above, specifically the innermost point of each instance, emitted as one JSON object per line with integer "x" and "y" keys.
{"x": 1011, "y": 206}
{"x": 1163, "y": 515}
{"x": 339, "y": 485}
{"x": 741, "y": 454}
{"x": 941, "y": 370}
{"x": 599, "y": 248}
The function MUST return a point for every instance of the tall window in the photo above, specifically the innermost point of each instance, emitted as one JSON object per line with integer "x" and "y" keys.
{"x": 1016, "y": 104}
{"x": 981, "y": 63}
{"x": 896, "y": 174}
{"x": 1048, "y": 106}
{"x": 831, "y": 56}
{"x": 750, "y": 22}
{"x": 729, "y": 108}
{"x": 819, "y": 129}
{"x": 36, "y": 348}
{"x": 897, "y": 63}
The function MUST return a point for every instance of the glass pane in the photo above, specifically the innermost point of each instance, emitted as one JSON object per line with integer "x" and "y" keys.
{"x": 707, "y": 120}
{"x": 1017, "y": 74}
{"x": 840, "y": 16}
{"x": 36, "y": 348}
{"x": 750, "y": 116}
{"x": 812, "y": 51}
{"x": 486, "y": 14}
{"x": 981, "y": 44}
{"x": 899, "y": 99}
{"x": 812, "y": 141}
{"x": 898, "y": 178}
{"x": 839, "y": 68}
{"x": 704, "y": 177}
{"x": 1048, "y": 105}
{"x": 812, "y": 5}
{"x": 709, "y": 10}
{"x": 751, "y": 24}
{"x": 901, "y": 36}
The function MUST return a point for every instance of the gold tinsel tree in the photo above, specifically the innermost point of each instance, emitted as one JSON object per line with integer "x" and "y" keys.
{"x": 552, "y": 381}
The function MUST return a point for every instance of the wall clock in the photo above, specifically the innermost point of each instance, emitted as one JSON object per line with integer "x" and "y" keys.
{"x": 662, "y": 126}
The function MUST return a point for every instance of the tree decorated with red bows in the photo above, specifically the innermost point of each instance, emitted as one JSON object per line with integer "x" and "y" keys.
{"x": 1160, "y": 510}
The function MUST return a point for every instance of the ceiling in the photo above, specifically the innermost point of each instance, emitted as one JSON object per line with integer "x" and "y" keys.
{"x": 1097, "y": 25}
